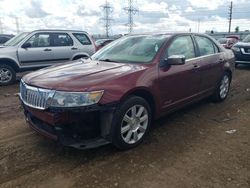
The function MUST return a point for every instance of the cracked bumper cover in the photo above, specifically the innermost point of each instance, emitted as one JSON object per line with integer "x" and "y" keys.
{"x": 81, "y": 128}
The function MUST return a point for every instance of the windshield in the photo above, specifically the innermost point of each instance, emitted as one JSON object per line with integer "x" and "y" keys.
{"x": 247, "y": 39}
{"x": 131, "y": 49}
{"x": 16, "y": 40}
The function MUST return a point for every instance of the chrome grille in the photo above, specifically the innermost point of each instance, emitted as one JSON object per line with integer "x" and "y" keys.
{"x": 35, "y": 97}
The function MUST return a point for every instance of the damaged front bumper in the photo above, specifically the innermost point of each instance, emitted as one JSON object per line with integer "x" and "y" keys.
{"x": 81, "y": 128}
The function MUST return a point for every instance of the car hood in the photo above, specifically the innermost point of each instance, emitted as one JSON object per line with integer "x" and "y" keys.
{"x": 242, "y": 44}
{"x": 79, "y": 75}
{"x": 7, "y": 49}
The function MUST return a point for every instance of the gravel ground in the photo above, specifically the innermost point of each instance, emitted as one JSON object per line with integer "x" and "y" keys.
{"x": 204, "y": 145}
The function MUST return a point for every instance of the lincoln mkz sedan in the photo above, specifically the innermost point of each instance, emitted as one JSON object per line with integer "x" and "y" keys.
{"x": 114, "y": 96}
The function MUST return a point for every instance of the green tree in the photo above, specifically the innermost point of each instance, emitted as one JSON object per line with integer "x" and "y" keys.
{"x": 237, "y": 29}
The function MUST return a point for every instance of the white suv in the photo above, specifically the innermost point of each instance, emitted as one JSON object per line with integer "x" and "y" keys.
{"x": 41, "y": 48}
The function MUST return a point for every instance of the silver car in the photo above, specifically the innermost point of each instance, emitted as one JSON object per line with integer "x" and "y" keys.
{"x": 41, "y": 48}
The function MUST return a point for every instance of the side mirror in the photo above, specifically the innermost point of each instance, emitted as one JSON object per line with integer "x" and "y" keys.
{"x": 26, "y": 45}
{"x": 174, "y": 60}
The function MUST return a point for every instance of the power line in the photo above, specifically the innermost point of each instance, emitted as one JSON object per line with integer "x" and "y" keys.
{"x": 107, "y": 9}
{"x": 131, "y": 11}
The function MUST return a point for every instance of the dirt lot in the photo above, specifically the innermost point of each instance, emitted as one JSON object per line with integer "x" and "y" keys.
{"x": 204, "y": 145}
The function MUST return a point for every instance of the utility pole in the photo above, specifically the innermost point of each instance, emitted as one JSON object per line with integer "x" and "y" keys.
{"x": 230, "y": 16}
{"x": 131, "y": 11}
{"x": 17, "y": 25}
{"x": 1, "y": 26}
{"x": 107, "y": 9}
{"x": 199, "y": 25}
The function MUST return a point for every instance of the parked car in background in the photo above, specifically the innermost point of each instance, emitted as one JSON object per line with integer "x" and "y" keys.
{"x": 242, "y": 51}
{"x": 4, "y": 38}
{"x": 102, "y": 42}
{"x": 115, "y": 95}
{"x": 41, "y": 48}
{"x": 227, "y": 42}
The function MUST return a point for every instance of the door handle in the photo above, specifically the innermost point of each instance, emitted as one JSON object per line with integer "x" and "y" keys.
{"x": 196, "y": 66}
{"x": 74, "y": 48}
{"x": 47, "y": 50}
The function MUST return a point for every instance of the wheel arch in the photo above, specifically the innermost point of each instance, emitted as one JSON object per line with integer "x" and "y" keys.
{"x": 143, "y": 93}
{"x": 10, "y": 62}
{"x": 77, "y": 56}
{"x": 229, "y": 72}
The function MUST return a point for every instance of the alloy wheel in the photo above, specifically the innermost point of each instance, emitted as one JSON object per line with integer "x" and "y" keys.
{"x": 134, "y": 124}
{"x": 224, "y": 87}
{"x": 5, "y": 75}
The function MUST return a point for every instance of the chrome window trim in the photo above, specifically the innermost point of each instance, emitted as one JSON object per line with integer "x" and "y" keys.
{"x": 199, "y": 57}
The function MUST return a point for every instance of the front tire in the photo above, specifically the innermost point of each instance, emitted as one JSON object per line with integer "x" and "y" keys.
{"x": 131, "y": 123}
{"x": 222, "y": 89}
{"x": 7, "y": 75}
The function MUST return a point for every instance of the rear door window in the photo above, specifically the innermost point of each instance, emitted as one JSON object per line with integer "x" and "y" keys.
{"x": 82, "y": 38}
{"x": 206, "y": 46}
{"x": 62, "y": 39}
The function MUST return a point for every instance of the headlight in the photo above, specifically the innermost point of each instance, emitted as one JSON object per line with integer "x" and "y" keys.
{"x": 75, "y": 99}
{"x": 236, "y": 49}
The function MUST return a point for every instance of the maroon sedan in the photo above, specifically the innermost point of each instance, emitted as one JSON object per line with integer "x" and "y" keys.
{"x": 114, "y": 96}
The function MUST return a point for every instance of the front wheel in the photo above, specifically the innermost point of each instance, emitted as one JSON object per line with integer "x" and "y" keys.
{"x": 222, "y": 89}
{"x": 131, "y": 123}
{"x": 7, "y": 75}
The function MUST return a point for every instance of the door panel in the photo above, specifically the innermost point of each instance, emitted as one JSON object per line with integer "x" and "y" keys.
{"x": 63, "y": 47}
{"x": 178, "y": 83}
{"x": 210, "y": 70}
{"x": 40, "y": 50}
{"x": 210, "y": 64}
{"x": 35, "y": 55}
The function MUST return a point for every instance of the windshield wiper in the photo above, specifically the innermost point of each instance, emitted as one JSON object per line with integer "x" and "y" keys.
{"x": 107, "y": 60}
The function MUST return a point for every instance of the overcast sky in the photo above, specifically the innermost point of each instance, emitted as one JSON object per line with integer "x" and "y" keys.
{"x": 154, "y": 15}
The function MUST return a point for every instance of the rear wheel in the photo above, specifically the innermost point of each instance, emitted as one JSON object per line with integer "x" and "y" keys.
{"x": 131, "y": 123}
{"x": 7, "y": 75}
{"x": 222, "y": 89}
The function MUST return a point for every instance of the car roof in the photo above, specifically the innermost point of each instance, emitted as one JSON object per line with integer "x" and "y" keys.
{"x": 170, "y": 33}
{"x": 58, "y": 30}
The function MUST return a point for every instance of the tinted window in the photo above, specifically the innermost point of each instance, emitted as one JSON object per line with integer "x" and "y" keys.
{"x": 205, "y": 45}
{"x": 82, "y": 38}
{"x": 182, "y": 46}
{"x": 4, "y": 39}
{"x": 40, "y": 40}
{"x": 62, "y": 39}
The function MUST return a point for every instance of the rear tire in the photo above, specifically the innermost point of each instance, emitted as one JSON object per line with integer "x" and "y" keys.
{"x": 7, "y": 75}
{"x": 131, "y": 123}
{"x": 223, "y": 87}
